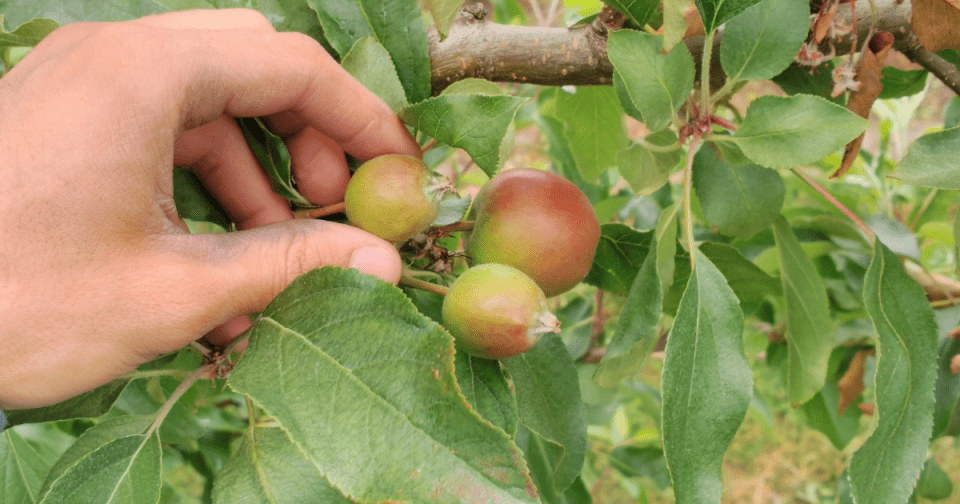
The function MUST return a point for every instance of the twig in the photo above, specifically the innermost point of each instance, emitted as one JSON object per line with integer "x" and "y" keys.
{"x": 316, "y": 213}
{"x": 910, "y": 46}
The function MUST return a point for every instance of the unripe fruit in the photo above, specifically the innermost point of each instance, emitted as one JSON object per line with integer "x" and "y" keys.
{"x": 539, "y": 223}
{"x": 495, "y": 311}
{"x": 393, "y": 196}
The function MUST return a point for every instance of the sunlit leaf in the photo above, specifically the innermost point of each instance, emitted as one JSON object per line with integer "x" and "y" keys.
{"x": 716, "y": 12}
{"x": 638, "y": 12}
{"x": 593, "y": 128}
{"x": 345, "y": 364}
{"x": 707, "y": 384}
{"x": 763, "y": 40}
{"x": 886, "y": 467}
{"x": 28, "y": 34}
{"x": 370, "y": 64}
{"x": 932, "y": 161}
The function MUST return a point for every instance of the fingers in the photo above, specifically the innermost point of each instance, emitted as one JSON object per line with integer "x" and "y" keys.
{"x": 225, "y": 276}
{"x": 319, "y": 167}
{"x": 218, "y": 153}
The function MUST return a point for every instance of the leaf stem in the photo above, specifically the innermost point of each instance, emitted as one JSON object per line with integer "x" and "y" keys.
{"x": 687, "y": 191}
{"x": 705, "y": 98}
{"x": 154, "y": 372}
{"x": 175, "y": 396}
{"x": 835, "y": 202}
{"x": 408, "y": 281}
{"x": 316, "y": 213}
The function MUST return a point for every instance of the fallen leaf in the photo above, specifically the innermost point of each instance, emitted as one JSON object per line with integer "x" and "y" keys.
{"x": 937, "y": 24}
{"x": 861, "y": 101}
{"x": 851, "y": 384}
{"x": 823, "y": 22}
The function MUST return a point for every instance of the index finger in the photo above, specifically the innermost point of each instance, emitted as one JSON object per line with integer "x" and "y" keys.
{"x": 251, "y": 72}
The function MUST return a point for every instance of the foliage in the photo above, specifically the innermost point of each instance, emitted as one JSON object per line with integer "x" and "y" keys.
{"x": 722, "y": 239}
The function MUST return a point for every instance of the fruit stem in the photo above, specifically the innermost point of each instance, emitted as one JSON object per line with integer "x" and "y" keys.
{"x": 456, "y": 226}
{"x": 409, "y": 281}
{"x": 316, "y": 213}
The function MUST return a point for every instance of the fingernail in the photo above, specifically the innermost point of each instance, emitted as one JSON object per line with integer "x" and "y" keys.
{"x": 375, "y": 261}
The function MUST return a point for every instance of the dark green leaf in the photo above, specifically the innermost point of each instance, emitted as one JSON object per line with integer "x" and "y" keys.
{"x": 739, "y": 200}
{"x": 637, "y": 12}
{"x": 934, "y": 484}
{"x": 194, "y": 201}
{"x": 646, "y": 170}
{"x": 899, "y": 83}
{"x": 273, "y": 156}
{"x": 486, "y": 389}
{"x": 946, "y": 416}
{"x": 932, "y": 161}
{"x": 28, "y": 34}
{"x": 641, "y": 462}
{"x": 821, "y": 411}
{"x": 716, "y": 12}
{"x": 619, "y": 255}
{"x": 750, "y": 283}
{"x": 268, "y": 468}
{"x": 22, "y": 469}
{"x": 656, "y": 84}
{"x": 90, "y": 404}
{"x": 342, "y": 360}
{"x": 763, "y": 40}
{"x": 886, "y": 467}
{"x": 803, "y": 80}
{"x": 780, "y": 132}
{"x": 548, "y": 397}
{"x": 666, "y": 236}
{"x": 113, "y": 462}
{"x": 707, "y": 384}
{"x": 810, "y": 332}
{"x": 370, "y": 64}
{"x": 397, "y": 24}
{"x": 477, "y": 124}
{"x": 636, "y": 332}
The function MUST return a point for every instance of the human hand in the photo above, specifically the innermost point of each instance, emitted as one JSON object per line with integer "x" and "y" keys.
{"x": 97, "y": 272}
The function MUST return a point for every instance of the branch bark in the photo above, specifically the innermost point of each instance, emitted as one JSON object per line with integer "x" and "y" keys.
{"x": 479, "y": 47}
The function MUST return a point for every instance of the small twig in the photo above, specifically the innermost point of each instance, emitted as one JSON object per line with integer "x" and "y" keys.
{"x": 316, "y": 213}
{"x": 835, "y": 202}
{"x": 455, "y": 227}
{"x": 910, "y": 46}
{"x": 409, "y": 281}
{"x": 175, "y": 396}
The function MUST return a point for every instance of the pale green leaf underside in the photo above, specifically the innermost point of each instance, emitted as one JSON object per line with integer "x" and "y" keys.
{"x": 271, "y": 151}
{"x": 781, "y": 132}
{"x": 707, "y": 384}
{"x": 810, "y": 332}
{"x": 268, "y": 468}
{"x": 645, "y": 170}
{"x": 363, "y": 384}
{"x": 22, "y": 469}
{"x": 932, "y": 160}
{"x": 476, "y": 123}
{"x": 885, "y": 469}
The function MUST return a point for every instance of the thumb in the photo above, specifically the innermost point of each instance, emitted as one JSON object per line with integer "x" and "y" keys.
{"x": 240, "y": 273}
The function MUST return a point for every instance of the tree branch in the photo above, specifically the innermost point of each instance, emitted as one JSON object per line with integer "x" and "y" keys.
{"x": 943, "y": 69}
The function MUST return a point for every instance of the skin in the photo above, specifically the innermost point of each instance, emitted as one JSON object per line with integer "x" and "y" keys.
{"x": 97, "y": 272}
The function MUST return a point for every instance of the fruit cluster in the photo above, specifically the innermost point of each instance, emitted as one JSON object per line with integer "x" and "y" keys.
{"x": 534, "y": 237}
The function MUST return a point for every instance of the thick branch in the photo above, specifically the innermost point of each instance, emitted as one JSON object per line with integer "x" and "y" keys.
{"x": 943, "y": 69}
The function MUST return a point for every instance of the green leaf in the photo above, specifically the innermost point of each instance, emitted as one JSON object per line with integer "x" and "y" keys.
{"x": 636, "y": 332}
{"x": 750, "y": 283}
{"x": 666, "y": 236}
{"x": 268, "y": 468}
{"x": 344, "y": 361}
{"x": 821, "y": 411}
{"x": 947, "y": 392}
{"x": 934, "y": 484}
{"x": 740, "y": 201}
{"x": 548, "y": 397}
{"x": 674, "y": 23}
{"x": 645, "y": 170}
{"x": 273, "y": 156}
{"x": 194, "y": 201}
{"x": 764, "y": 40}
{"x": 637, "y": 12}
{"x": 781, "y": 132}
{"x": 28, "y": 34}
{"x": 932, "y": 161}
{"x": 641, "y": 462}
{"x": 619, "y": 255}
{"x": 19, "y": 12}
{"x": 810, "y": 332}
{"x": 444, "y": 12}
{"x": 397, "y": 24}
{"x": 475, "y": 123}
{"x": 657, "y": 84}
{"x": 112, "y": 462}
{"x": 707, "y": 384}
{"x": 486, "y": 389}
{"x": 886, "y": 467}
{"x": 593, "y": 128}
{"x": 899, "y": 83}
{"x": 473, "y": 86}
{"x": 717, "y": 12}
{"x": 370, "y": 64}
{"x": 816, "y": 81}
{"x": 22, "y": 469}
{"x": 90, "y": 404}
{"x": 540, "y": 455}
